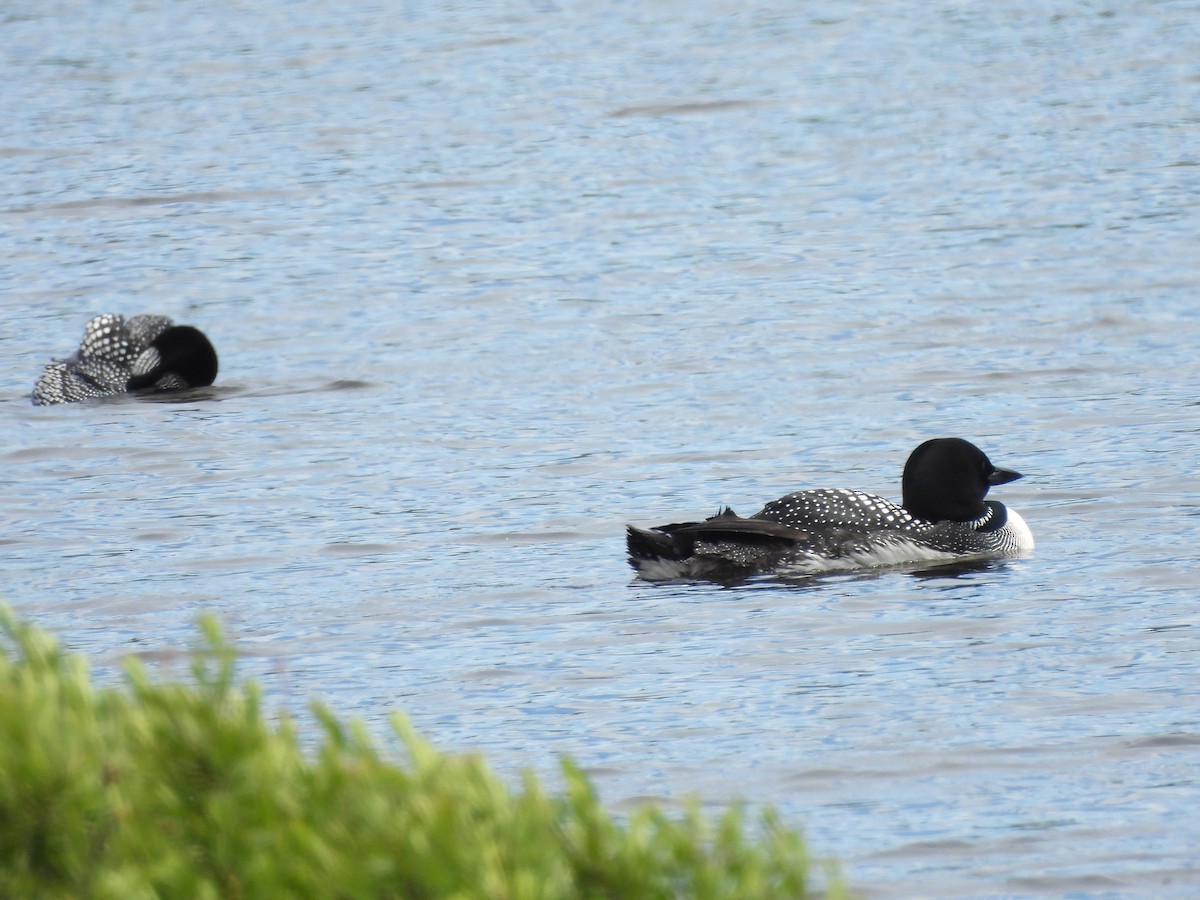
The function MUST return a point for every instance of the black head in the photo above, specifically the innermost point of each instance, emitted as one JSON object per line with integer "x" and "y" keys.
{"x": 947, "y": 478}
{"x": 179, "y": 358}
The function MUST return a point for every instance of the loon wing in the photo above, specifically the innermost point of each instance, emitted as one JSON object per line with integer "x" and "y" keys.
{"x": 678, "y": 540}
{"x": 729, "y": 526}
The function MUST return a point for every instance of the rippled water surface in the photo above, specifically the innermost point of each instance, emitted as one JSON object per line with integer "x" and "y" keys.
{"x": 487, "y": 284}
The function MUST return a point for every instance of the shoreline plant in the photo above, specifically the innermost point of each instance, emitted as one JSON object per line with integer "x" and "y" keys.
{"x": 167, "y": 788}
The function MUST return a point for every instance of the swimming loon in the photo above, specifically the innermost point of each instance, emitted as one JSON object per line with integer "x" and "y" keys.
{"x": 118, "y": 355}
{"x": 943, "y": 518}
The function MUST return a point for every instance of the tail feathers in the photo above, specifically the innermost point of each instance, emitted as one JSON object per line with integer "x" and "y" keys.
{"x": 644, "y": 545}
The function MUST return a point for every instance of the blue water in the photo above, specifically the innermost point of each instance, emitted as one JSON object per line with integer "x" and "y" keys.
{"x": 489, "y": 283}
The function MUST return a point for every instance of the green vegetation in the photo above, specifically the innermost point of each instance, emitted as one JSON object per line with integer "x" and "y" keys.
{"x": 166, "y": 789}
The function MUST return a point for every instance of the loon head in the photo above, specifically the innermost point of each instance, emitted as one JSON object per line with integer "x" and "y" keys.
{"x": 179, "y": 358}
{"x": 947, "y": 479}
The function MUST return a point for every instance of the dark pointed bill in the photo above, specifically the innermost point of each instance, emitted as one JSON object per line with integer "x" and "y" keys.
{"x": 1003, "y": 476}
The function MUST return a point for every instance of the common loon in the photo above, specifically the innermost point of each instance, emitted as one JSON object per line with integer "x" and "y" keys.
{"x": 118, "y": 355}
{"x": 943, "y": 518}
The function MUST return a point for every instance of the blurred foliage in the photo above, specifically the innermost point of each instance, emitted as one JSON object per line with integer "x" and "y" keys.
{"x": 168, "y": 789}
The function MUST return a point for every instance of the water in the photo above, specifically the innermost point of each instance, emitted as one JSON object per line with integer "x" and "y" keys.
{"x": 487, "y": 284}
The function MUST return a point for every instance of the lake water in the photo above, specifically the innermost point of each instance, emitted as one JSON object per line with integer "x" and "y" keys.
{"x": 488, "y": 283}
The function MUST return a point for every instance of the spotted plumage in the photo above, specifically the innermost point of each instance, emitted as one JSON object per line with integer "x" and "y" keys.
{"x": 119, "y": 354}
{"x": 943, "y": 518}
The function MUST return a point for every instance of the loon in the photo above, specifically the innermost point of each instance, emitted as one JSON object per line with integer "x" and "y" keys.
{"x": 118, "y": 355}
{"x": 943, "y": 519}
